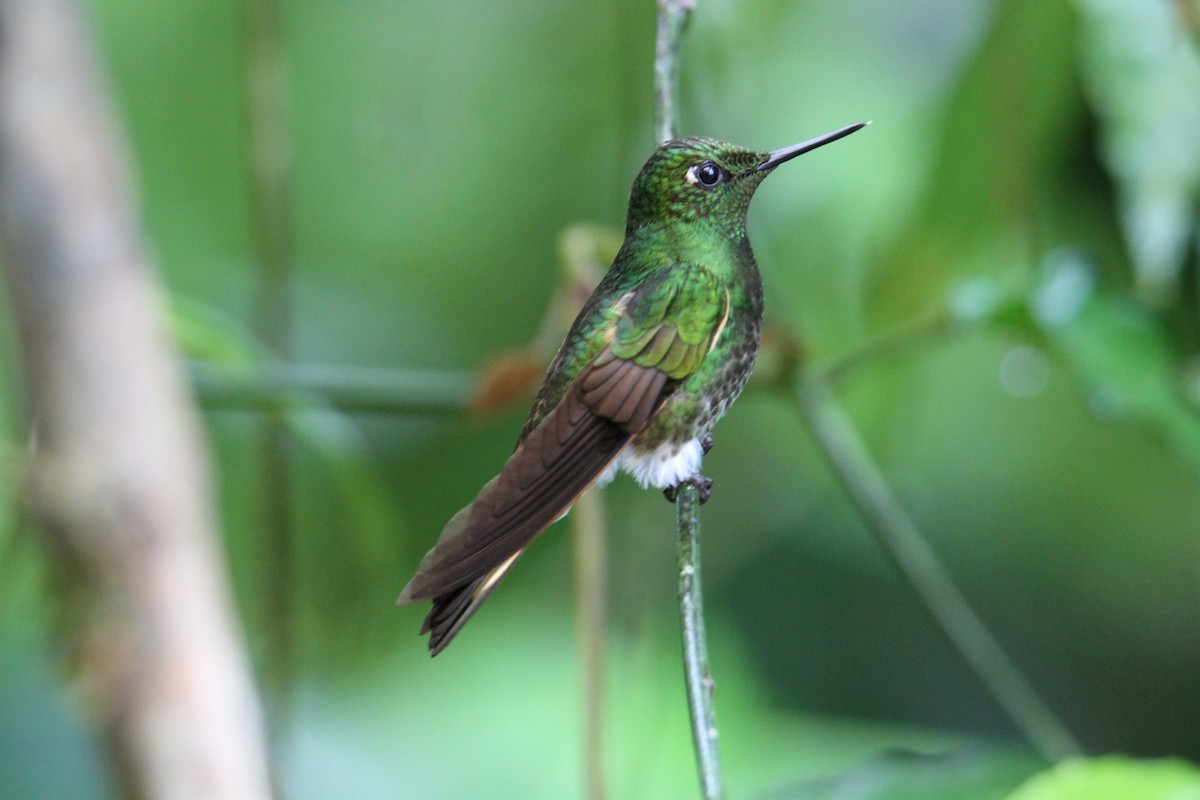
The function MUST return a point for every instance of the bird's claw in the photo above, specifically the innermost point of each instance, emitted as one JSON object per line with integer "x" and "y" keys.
{"x": 703, "y": 486}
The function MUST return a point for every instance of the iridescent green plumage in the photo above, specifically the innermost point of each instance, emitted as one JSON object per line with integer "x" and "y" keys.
{"x": 656, "y": 356}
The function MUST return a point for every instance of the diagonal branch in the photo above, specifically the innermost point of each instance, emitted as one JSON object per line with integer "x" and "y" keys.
{"x": 924, "y": 573}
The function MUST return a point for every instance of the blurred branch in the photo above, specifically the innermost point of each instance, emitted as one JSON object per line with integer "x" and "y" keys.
{"x": 591, "y": 571}
{"x": 14, "y": 518}
{"x": 673, "y": 17}
{"x": 513, "y": 376}
{"x": 118, "y": 478}
{"x": 970, "y": 305}
{"x": 919, "y": 565}
{"x": 1188, "y": 12}
{"x": 361, "y": 389}
{"x": 268, "y": 164}
{"x": 584, "y": 250}
{"x": 909, "y": 337}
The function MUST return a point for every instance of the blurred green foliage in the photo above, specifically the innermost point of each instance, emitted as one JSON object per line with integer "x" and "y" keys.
{"x": 1114, "y": 778}
{"x": 1032, "y": 174}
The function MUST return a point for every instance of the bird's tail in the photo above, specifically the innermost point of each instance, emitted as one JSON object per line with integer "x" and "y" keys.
{"x": 452, "y": 610}
{"x": 552, "y": 466}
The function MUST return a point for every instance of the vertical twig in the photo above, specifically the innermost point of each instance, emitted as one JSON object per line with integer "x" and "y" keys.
{"x": 919, "y": 565}
{"x": 268, "y": 164}
{"x": 673, "y": 17}
{"x": 591, "y": 569}
{"x": 695, "y": 644}
{"x": 118, "y": 478}
{"x": 584, "y": 251}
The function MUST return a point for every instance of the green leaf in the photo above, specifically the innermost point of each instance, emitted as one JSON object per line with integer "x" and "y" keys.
{"x": 206, "y": 334}
{"x": 352, "y": 555}
{"x": 358, "y": 533}
{"x": 972, "y": 216}
{"x": 1118, "y": 351}
{"x": 1115, "y": 348}
{"x": 1114, "y": 778}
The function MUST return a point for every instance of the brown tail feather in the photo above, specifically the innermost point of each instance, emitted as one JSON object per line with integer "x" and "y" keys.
{"x": 452, "y": 610}
{"x": 538, "y": 483}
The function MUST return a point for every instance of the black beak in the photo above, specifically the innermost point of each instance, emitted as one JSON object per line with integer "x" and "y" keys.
{"x": 777, "y": 157}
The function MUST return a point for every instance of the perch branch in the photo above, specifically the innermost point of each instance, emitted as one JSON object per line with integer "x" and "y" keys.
{"x": 673, "y": 17}
{"x": 695, "y": 644}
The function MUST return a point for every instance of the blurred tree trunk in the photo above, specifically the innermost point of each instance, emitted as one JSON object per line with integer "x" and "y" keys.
{"x": 119, "y": 477}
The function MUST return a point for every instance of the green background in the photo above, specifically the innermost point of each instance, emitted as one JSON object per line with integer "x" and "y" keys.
{"x": 1030, "y": 176}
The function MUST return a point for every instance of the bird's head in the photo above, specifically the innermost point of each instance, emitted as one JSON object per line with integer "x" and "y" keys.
{"x": 692, "y": 180}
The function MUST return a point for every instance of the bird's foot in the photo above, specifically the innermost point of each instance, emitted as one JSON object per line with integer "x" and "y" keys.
{"x": 702, "y": 484}
{"x": 706, "y": 443}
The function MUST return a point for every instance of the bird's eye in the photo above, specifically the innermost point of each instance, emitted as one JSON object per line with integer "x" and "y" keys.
{"x": 706, "y": 174}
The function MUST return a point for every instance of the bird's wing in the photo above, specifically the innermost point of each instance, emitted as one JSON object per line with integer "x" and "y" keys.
{"x": 659, "y": 334}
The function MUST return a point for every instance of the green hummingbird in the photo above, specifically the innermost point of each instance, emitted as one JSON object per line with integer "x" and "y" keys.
{"x": 656, "y": 356}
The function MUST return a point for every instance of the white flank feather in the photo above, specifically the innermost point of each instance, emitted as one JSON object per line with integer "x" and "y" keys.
{"x": 665, "y": 466}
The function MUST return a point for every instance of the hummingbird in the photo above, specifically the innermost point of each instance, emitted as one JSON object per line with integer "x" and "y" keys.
{"x": 657, "y": 355}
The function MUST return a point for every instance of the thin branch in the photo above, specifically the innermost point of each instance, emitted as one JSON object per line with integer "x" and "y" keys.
{"x": 905, "y": 339}
{"x": 118, "y": 479}
{"x": 673, "y": 17}
{"x": 591, "y": 571}
{"x": 268, "y": 166}
{"x": 919, "y": 565}
{"x": 14, "y": 519}
{"x": 695, "y": 643}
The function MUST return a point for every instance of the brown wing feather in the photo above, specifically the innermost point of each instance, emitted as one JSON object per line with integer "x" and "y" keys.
{"x": 623, "y": 391}
{"x": 564, "y": 455}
